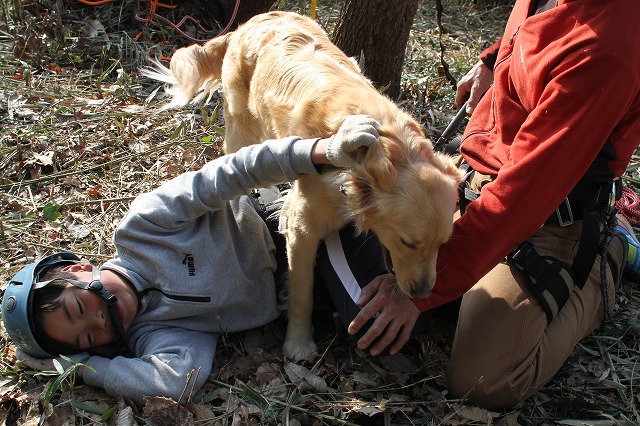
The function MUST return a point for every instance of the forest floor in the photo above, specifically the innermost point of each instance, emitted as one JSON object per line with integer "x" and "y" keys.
{"x": 79, "y": 139}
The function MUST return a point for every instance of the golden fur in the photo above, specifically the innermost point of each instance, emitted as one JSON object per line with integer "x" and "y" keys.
{"x": 282, "y": 76}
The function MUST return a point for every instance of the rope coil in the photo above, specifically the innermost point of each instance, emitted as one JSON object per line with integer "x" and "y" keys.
{"x": 628, "y": 206}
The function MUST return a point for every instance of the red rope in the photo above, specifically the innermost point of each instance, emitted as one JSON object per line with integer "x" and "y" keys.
{"x": 95, "y": 2}
{"x": 148, "y": 18}
{"x": 628, "y": 206}
{"x": 140, "y": 17}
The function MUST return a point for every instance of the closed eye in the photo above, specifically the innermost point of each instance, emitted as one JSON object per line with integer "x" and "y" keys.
{"x": 409, "y": 245}
{"x": 80, "y": 307}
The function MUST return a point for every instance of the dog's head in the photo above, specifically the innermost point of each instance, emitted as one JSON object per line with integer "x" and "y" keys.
{"x": 406, "y": 194}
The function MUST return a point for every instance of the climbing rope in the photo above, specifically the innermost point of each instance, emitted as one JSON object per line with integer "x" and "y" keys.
{"x": 95, "y": 2}
{"x": 628, "y": 206}
{"x": 609, "y": 223}
{"x": 150, "y": 16}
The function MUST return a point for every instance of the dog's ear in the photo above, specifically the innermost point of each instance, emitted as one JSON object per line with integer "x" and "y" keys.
{"x": 425, "y": 150}
{"x": 375, "y": 173}
{"x": 214, "y": 51}
{"x": 198, "y": 67}
{"x": 447, "y": 165}
{"x": 376, "y": 169}
{"x": 186, "y": 69}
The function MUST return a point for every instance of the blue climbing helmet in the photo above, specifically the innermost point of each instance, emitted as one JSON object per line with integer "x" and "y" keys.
{"x": 18, "y": 298}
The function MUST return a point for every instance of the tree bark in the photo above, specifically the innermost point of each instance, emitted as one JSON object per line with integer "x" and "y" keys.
{"x": 377, "y": 30}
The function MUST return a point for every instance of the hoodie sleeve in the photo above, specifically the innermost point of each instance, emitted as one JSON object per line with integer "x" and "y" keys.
{"x": 169, "y": 362}
{"x": 183, "y": 199}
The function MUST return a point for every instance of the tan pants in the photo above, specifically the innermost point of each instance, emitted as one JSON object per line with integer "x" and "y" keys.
{"x": 504, "y": 350}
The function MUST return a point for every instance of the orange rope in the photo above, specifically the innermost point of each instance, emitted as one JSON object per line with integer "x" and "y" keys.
{"x": 156, "y": 3}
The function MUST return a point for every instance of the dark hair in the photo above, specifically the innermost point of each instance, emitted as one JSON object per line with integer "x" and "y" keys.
{"x": 48, "y": 299}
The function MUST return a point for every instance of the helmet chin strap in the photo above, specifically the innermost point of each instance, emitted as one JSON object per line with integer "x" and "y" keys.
{"x": 110, "y": 299}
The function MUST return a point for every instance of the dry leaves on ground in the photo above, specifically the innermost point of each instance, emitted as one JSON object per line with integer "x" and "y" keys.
{"x": 78, "y": 142}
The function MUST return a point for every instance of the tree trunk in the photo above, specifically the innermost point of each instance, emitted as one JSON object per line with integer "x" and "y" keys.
{"x": 377, "y": 30}
{"x": 246, "y": 10}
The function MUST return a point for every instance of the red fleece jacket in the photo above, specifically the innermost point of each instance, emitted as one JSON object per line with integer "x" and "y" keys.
{"x": 565, "y": 81}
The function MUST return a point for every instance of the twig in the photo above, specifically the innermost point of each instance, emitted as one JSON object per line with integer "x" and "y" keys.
{"x": 55, "y": 176}
{"x": 332, "y": 419}
{"x": 99, "y": 201}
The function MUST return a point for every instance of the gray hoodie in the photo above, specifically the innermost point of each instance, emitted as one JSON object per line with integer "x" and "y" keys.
{"x": 202, "y": 261}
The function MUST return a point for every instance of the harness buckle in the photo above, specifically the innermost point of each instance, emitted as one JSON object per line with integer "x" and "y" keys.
{"x": 561, "y": 220}
{"x": 519, "y": 254}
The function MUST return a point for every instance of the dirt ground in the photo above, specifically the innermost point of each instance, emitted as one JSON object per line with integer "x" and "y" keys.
{"x": 80, "y": 139}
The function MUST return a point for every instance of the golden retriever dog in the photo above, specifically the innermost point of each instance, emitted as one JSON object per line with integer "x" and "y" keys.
{"x": 281, "y": 76}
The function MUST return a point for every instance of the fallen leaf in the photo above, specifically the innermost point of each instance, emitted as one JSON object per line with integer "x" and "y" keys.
{"x": 299, "y": 375}
{"x": 511, "y": 419}
{"x": 78, "y": 231}
{"x": 125, "y": 417}
{"x": 368, "y": 410}
{"x": 468, "y": 413}
{"x": 398, "y": 363}
{"x": 201, "y": 413}
{"x": 45, "y": 159}
{"x": 161, "y": 411}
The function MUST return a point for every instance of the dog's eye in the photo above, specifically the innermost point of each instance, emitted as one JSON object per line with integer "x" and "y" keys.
{"x": 410, "y": 245}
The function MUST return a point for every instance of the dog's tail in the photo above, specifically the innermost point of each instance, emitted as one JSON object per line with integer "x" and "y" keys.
{"x": 195, "y": 72}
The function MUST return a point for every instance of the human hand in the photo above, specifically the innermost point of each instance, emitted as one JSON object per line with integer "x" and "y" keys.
{"x": 356, "y": 131}
{"x": 58, "y": 364}
{"x": 473, "y": 85}
{"x": 397, "y": 315}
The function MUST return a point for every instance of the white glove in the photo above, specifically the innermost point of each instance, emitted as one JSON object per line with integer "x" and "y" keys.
{"x": 356, "y": 131}
{"x": 58, "y": 364}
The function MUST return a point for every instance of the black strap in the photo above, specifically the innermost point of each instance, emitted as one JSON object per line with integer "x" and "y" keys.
{"x": 268, "y": 203}
{"x": 118, "y": 346}
{"x": 596, "y": 189}
{"x": 587, "y": 248}
{"x": 109, "y": 298}
{"x": 549, "y": 278}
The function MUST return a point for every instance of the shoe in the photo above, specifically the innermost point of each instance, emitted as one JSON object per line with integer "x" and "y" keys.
{"x": 632, "y": 265}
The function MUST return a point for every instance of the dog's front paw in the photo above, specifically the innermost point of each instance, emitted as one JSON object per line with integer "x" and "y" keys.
{"x": 298, "y": 350}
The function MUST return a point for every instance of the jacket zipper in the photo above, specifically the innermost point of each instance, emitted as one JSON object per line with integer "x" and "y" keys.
{"x": 513, "y": 37}
{"x": 199, "y": 299}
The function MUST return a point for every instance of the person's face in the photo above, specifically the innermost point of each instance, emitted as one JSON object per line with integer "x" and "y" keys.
{"x": 82, "y": 319}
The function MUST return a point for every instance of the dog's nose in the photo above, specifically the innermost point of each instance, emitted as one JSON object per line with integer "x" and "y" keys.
{"x": 421, "y": 288}
{"x": 420, "y": 293}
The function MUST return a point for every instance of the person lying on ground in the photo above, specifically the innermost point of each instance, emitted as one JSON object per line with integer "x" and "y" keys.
{"x": 193, "y": 259}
